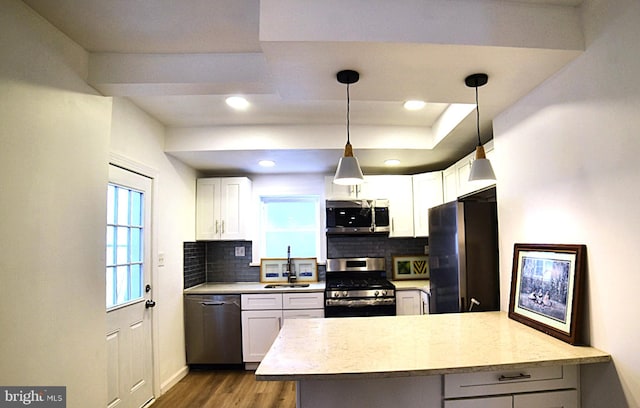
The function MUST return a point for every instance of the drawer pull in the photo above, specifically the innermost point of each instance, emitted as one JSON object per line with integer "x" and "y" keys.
{"x": 516, "y": 377}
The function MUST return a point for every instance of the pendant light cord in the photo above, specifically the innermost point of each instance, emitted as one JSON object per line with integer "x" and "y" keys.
{"x": 478, "y": 116}
{"x": 348, "y": 103}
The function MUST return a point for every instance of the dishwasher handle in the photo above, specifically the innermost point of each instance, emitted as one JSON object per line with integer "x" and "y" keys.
{"x": 212, "y": 303}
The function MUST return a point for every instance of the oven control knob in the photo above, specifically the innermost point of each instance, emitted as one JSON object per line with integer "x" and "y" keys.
{"x": 336, "y": 294}
{"x": 345, "y": 294}
{"x": 384, "y": 293}
{"x": 376, "y": 293}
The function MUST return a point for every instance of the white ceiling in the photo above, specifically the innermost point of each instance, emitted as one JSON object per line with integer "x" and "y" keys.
{"x": 179, "y": 60}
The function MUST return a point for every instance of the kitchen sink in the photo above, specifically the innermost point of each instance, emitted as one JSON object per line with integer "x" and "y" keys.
{"x": 286, "y": 285}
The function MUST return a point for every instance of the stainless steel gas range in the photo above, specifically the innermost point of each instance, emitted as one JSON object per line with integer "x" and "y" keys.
{"x": 358, "y": 287}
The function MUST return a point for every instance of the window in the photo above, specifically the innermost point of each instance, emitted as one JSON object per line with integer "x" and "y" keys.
{"x": 125, "y": 215}
{"x": 290, "y": 221}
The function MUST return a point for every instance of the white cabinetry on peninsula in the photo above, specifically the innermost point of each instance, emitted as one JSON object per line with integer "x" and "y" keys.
{"x": 536, "y": 387}
{"x": 263, "y": 315}
{"x": 222, "y": 205}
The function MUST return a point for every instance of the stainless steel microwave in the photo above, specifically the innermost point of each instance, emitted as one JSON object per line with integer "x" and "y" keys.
{"x": 357, "y": 216}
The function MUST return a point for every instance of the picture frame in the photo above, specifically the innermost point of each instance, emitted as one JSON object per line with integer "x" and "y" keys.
{"x": 273, "y": 270}
{"x": 546, "y": 288}
{"x": 410, "y": 267}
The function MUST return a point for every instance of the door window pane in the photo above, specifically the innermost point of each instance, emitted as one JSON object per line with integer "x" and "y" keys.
{"x": 125, "y": 246}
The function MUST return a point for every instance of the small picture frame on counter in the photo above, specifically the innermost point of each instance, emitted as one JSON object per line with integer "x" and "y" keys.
{"x": 410, "y": 267}
{"x": 274, "y": 270}
{"x": 546, "y": 288}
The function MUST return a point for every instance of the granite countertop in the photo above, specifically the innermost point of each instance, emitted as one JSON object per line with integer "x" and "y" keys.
{"x": 404, "y": 346}
{"x": 420, "y": 284}
{"x": 223, "y": 288}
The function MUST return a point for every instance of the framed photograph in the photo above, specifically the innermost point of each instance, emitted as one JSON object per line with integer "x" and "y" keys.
{"x": 546, "y": 288}
{"x": 411, "y": 267}
{"x": 274, "y": 270}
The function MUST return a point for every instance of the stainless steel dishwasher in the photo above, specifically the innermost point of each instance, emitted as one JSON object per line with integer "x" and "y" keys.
{"x": 213, "y": 333}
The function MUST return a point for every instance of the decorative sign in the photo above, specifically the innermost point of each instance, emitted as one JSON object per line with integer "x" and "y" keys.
{"x": 410, "y": 267}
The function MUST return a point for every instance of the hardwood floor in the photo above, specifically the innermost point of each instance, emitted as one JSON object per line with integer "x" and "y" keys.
{"x": 227, "y": 388}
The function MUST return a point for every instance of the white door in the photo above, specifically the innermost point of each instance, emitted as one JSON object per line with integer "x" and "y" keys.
{"x": 128, "y": 297}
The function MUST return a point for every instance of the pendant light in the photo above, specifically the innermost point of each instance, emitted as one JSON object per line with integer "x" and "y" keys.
{"x": 348, "y": 171}
{"x": 481, "y": 167}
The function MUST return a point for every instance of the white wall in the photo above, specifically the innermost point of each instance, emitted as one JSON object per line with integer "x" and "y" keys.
{"x": 567, "y": 157}
{"x": 140, "y": 138}
{"x": 54, "y": 136}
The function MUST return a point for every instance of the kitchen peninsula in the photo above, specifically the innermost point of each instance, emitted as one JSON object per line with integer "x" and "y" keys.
{"x": 403, "y": 360}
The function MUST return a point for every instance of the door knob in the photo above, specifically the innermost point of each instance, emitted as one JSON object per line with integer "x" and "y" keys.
{"x": 149, "y": 303}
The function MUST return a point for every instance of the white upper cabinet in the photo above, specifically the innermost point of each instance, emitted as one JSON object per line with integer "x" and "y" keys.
{"x": 222, "y": 206}
{"x": 456, "y": 178}
{"x": 399, "y": 191}
{"x": 427, "y": 193}
{"x": 340, "y": 192}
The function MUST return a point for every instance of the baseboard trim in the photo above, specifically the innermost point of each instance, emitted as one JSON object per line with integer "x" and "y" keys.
{"x": 174, "y": 379}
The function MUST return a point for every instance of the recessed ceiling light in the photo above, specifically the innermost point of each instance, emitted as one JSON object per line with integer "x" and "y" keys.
{"x": 392, "y": 162}
{"x": 267, "y": 163}
{"x": 237, "y": 102}
{"x": 414, "y": 105}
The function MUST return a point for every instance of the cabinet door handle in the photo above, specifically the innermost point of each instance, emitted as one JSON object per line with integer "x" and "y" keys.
{"x": 217, "y": 229}
{"x": 222, "y": 227}
{"x": 515, "y": 377}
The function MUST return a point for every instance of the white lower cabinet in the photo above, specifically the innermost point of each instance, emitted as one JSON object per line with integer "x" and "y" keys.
{"x": 538, "y": 387}
{"x": 259, "y": 329}
{"x": 263, "y": 315}
{"x": 554, "y": 399}
{"x": 408, "y": 302}
{"x": 489, "y": 402}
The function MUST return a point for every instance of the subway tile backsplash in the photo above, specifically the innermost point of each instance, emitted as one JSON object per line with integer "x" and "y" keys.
{"x": 215, "y": 261}
{"x": 194, "y": 264}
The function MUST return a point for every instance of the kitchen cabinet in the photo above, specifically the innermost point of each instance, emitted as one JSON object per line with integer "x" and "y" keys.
{"x": 490, "y": 402}
{"x": 456, "y": 177}
{"x": 334, "y": 191}
{"x": 264, "y": 313}
{"x": 554, "y": 399}
{"x": 427, "y": 193}
{"x": 408, "y": 302}
{"x": 399, "y": 191}
{"x": 539, "y": 387}
{"x": 259, "y": 329}
{"x": 222, "y": 207}
{"x": 424, "y": 299}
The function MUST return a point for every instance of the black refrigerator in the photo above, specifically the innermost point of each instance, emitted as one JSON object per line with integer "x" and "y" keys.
{"x": 463, "y": 257}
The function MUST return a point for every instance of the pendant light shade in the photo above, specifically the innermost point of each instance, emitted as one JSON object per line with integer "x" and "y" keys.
{"x": 481, "y": 167}
{"x": 348, "y": 171}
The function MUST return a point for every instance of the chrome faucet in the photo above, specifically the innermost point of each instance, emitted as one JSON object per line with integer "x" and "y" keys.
{"x": 291, "y": 274}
